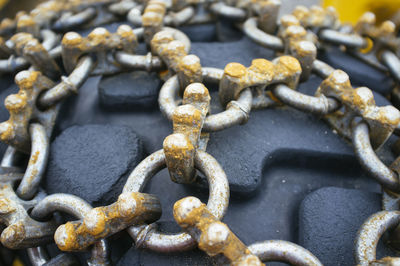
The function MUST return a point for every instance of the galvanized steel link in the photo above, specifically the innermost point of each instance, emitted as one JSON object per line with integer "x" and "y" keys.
{"x": 217, "y": 201}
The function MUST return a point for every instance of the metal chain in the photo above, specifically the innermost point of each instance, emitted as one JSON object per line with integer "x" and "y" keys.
{"x": 35, "y": 42}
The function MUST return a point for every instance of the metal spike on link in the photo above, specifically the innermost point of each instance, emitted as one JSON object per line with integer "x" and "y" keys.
{"x": 262, "y": 73}
{"x": 188, "y": 120}
{"x": 132, "y": 208}
{"x": 212, "y": 236}
{"x": 358, "y": 102}
{"x": 152, "y": 19}
{"x": 99, "y": 42}
{"x": 22, "y": 108}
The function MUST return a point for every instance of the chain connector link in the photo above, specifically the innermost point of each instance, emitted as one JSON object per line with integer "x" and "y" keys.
{"x": 100, "y": 42}
{"x": 174, "y": 53}
{"x": 261, "y": 73}
{"x": 382, "y": 121}
{"x": 188, "y": 120}
{"x": 23, "y": 110}
{"x": 153, "y": 19}
{"x": 131, "y": 208}
{"x": 213, "y": 236}
{"x": 21, "y": 230}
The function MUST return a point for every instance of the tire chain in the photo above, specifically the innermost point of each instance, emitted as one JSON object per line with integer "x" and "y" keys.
{"x": 32, "y": 42}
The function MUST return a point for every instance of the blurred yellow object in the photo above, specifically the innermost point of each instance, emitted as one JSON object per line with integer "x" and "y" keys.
{"x": 17, "y": 262}
{"x": 350, "y": 11}
{"x": 3, "y": 3}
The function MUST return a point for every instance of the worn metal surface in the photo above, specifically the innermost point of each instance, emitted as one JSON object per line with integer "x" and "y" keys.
{"x": 367, "y": 157}
{"x": 260, "y": 75}
{"x": 23, "y": 110}
{"x": 213, "y": 236}
{"x": 37, "y": 162}
{"x": 382, "y": 121}
{"x": 318, "y": 105}
{"x": 237, "y": 112}
{"x": 188, "y": 120}
{"x": 79, "y": 208}
{"x": 22, "y": 231}
{"x": 101, "y": 222}
{"x": 145, "y": 236}
{"x": 284, "y": 251}
{"x": 99, "y": 42}
{"x": 370, "y": 233}
{"x": 68, "y": 85}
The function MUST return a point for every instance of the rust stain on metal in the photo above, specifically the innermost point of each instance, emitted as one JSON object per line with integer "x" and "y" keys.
{"x": 22, "y": 108}
{"x": 213, "y": 236}
{"x": 261, "y": 73}
{"x": 382, "y": 121}
{"x": 188, "y": 120}
{"x": 99, "y": 40}
{"x": 131, "y": 208}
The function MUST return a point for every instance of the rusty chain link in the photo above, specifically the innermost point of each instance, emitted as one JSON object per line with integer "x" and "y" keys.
{"x": 34, "y": 43}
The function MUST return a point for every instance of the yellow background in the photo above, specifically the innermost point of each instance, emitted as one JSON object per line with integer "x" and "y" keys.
{"x": 2, "y": 3}
{"x": 351, "y": 10}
